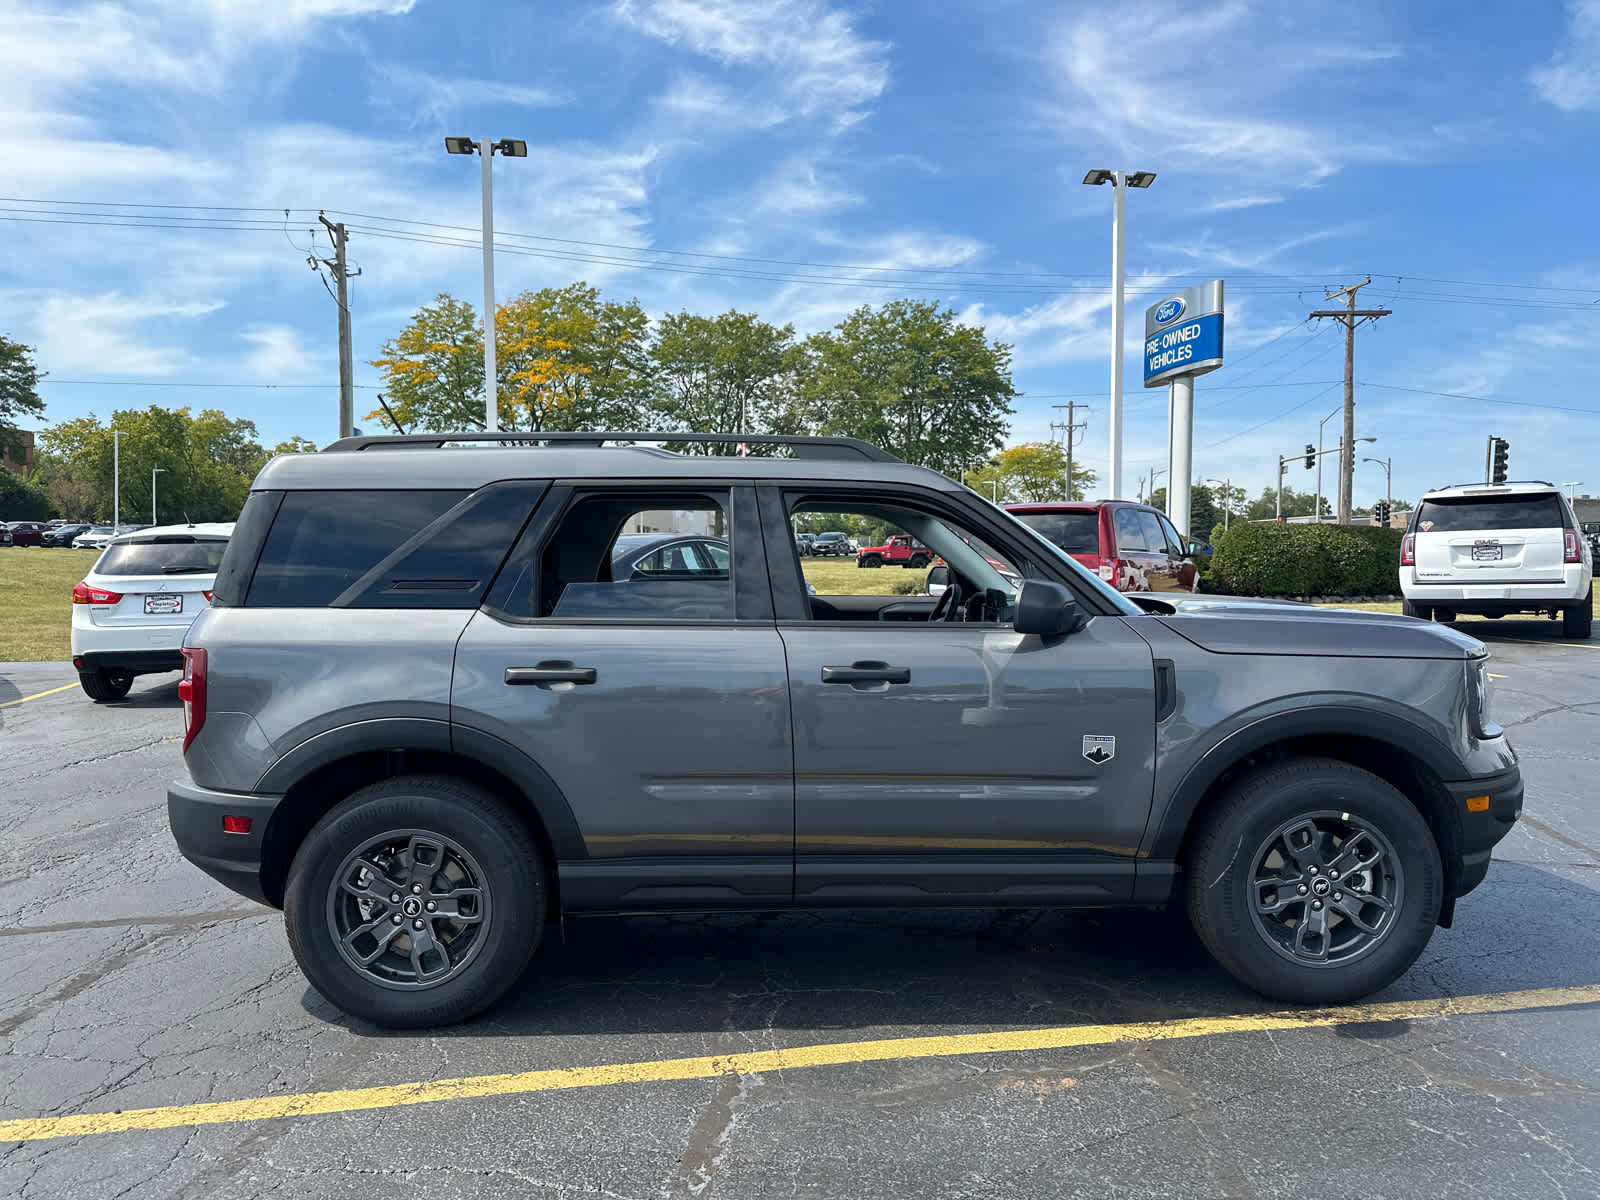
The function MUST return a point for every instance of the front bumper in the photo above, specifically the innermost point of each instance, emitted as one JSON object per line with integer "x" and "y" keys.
{"x": 232, "y": 859}
{"x": 1481, "y": 831}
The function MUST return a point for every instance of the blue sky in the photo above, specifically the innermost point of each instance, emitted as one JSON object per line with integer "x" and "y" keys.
{"x": 1447, "y": 149}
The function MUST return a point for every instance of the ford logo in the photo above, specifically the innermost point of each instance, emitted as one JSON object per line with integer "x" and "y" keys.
{"x": 1170, "y": 310}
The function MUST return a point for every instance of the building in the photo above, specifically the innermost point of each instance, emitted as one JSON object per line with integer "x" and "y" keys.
{"x": 1587, "y": 509}
{"x": 25, "y": 436}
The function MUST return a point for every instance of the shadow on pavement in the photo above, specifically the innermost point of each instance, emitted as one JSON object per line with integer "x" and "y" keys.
{"x": 819, "y": 971}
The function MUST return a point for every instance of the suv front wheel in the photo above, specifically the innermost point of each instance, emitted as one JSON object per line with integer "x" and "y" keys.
{"x": 1315, "y": 882}
{"x": 416, "y": 901}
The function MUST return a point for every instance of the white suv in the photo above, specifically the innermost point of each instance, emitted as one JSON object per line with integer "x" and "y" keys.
{"x": 1494, "y": 549}
{"x": 132, "y": 609}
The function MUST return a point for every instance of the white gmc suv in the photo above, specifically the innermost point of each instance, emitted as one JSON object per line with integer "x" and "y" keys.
{"x": 1494, "y": 549}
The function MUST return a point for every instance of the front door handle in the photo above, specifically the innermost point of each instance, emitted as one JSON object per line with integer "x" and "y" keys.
{"x": 866, "y": 672}
{"x": 551, "y": 672}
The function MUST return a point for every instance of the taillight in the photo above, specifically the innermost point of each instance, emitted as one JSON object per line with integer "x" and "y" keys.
{"x": 1107, "y": 571}
{"x": 192, "y": 691}
{"x": 82, "y": 593}
{"x": 1408, "y": 550}
{"x": 1569, "y": 546}
{"x": 207, "y": 595}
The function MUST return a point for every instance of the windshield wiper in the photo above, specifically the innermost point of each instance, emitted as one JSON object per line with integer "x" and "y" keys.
{"x": 182, "y": 570}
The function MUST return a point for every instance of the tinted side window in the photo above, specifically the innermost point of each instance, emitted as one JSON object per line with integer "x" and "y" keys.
{"x": 1130, "y": 533}
{"x": 323, "y": 542}
{"x": 1175, "y": 544}
{"x": 1456, "y": 514}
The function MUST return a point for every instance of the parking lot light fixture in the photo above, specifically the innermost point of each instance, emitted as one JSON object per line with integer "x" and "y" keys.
{"x": 154, "y": 471}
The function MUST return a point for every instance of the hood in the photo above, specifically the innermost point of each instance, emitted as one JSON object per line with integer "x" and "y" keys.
{"x": 1235, "y": 625}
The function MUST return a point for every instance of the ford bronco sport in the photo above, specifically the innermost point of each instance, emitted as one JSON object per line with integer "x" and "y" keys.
{"x": 432, "y": 726}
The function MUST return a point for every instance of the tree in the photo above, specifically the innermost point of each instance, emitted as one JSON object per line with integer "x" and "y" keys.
{"x": 569, "y": 360}
{"x": 1029, "y": 473}
{"x": 19, "y": 394}
{"x": 1230, "y": 499}
{"x": 909, "y": 378}
{"x": 727, "y": 374}
{"x": 21, "y": 500}
{"x": 296, "y": 445}
{"x": 433, "y": 371}
{"x": 209, "y": 460}
{"x": 1295, "y": 504}
{"x": 1203, "y": 510}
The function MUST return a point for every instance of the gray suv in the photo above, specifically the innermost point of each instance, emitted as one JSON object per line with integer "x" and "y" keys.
{"x": 427, "y": 714}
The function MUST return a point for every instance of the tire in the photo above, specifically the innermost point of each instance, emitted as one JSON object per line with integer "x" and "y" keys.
{"x": 1420, "y": 611}
{"x": 917, "y": 561}
{"x": 104, "y": 686}
{"x": 872, "y": 560}
{"x": 1444, "y": 614}
{"x": 1578, "y": 620}
{"x": 476, "y": 839}
{"x": 1228, "y": 852}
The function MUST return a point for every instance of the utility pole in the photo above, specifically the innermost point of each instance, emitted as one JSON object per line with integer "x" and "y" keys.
{"x": 1349, "y": 316}
{"x": 1279, "y": 512}
{"x": 347, "y": 403}
{"x": 116, "y": 479}
{"x": 1070, "y": 428}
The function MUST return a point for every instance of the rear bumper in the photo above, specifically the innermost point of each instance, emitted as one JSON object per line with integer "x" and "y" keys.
{"x": 1481, "y": 831}
{"x": 1495, "y": 597}
{"x": 135, "y": 662}
{"x": 232, "y": 859}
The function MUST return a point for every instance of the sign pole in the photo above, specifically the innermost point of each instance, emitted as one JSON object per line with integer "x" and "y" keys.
{"x": 1182, "y": 453}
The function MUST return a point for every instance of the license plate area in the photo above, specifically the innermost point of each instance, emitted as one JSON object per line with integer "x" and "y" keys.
{"x": 163, "y": 605}
{"x": 1487, "y": 550}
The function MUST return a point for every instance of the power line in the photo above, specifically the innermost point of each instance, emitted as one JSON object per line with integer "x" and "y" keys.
{"x": 1395, "y": 387}
{"x": 165, "y": 383}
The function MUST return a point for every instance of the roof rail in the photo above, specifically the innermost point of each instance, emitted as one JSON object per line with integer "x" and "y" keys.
{"x": 1476, "y": 483}
{"x": 801, "y": 446}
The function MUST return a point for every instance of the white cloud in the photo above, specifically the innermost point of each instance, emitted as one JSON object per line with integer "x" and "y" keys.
{"x": 1571, "y": 80}
{"x": 279, "y": 355}
{"x": 436, "y": 100}
{"x": 235, "y": 22}
{"x": 799, "y": 189}
{"x": 815, "y": 61}
{"x": 1203, "y": 248}
{"x": 104, "y": 334}
{"x": 1209, "y": 89}
{"x": 1237, "y": 202}
{"x": 694, "y": 100}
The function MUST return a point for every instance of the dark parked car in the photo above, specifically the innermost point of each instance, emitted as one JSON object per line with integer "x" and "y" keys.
{"x": 1133, "y": 547}
{"x": 805, "y": 544}
{"x": 833, "y": 545}
{"x": 62, "y": 535}
{"x": 28, "y": 533}
{"x": 428, "y": 715}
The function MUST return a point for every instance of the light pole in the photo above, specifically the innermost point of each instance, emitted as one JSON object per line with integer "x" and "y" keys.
{"x": 154, "y": 471}
{"x": 116, "y": 478}
{"x": 1227, "y": 489}
{"x": 1572, "y": 490}
{"x": 1120, "y": 182}
{"x": 994, "y": 492}
{"x": 1320, "y": 424}
{"x": 1388, "y": 480}
{"x": 510, "y": 148}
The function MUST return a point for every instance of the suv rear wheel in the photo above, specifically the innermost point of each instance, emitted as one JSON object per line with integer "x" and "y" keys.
{"x": 1315, "y": 882}
{"x": 1578, "y": 620}
{"x": 1420, "y": 611}
{"x": 917, "y": 561}
{"x": 104, "y": 685}
{"x": 416, "y": 901}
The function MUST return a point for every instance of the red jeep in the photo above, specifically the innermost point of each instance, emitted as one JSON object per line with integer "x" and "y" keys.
{"x": 899, "y": 551}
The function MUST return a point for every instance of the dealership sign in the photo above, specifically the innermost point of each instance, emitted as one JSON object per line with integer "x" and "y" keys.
{"x": 1183, "y": 334}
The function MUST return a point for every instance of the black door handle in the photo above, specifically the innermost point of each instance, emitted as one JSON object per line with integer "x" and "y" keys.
{"x": 551, "y": 672}
{"x": 866, "y": 672}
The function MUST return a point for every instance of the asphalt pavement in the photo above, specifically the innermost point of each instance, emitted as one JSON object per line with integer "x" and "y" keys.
{"x": 992, "y": 1054}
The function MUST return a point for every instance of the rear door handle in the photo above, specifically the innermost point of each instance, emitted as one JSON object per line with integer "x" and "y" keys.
{"x": 866, "y": 672}
{"x": 551, "y": 672}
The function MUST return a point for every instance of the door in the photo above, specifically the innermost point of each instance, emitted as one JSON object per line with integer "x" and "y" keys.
{"x": 1140, "y": 559}
{"x": 1182, "y": 570}
{"x": 955, "y": 760}
{"x": 656, "y": 702}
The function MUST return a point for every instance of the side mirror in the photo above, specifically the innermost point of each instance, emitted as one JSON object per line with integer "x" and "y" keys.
{"x": 938, "y": 580}
{"x": 1045, "y": 608}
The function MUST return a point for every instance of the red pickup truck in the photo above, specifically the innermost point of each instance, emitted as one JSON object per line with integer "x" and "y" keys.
{"x": 898, "y": 551}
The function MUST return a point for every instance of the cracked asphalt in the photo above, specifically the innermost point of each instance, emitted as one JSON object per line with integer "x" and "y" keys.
{"x": 134, "y": 981}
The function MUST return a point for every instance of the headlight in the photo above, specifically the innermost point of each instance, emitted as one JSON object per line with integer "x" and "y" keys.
{"x": 1480, "y": 693}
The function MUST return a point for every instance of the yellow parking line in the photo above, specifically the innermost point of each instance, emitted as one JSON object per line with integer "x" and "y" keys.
{"x": 1530, "y": 642}
{"x": 264, "y": 1108}
{"x": 39, "y": 695}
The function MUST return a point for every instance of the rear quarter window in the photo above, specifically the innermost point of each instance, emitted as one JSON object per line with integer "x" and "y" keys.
{"x": 1462, "y": 514}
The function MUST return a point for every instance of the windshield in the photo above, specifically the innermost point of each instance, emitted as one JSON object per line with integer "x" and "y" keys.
{"x": 1090, "y": 580}
{"x": 1074, "y": 532}
{"x": 1459, "y": 514}
{"x": 186, "y": 557}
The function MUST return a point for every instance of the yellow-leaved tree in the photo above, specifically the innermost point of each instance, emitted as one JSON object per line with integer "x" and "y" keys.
{"x": 433, "y": 371}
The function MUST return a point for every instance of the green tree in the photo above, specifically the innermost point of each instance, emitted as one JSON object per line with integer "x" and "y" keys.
{"x": 208, "y": 460}
{"x": 296, "y": 445}
{"x": 1295, "y": 504}
{"x": 21, "y": 500}
{"x": 1031, "y": 472}
{"x": 1203, "y": 510}
{"x": 727, "y": 374}
{"x": 908, "y": 377}
{"x": 433, "y": 370}
{"x": 19, "y": 394}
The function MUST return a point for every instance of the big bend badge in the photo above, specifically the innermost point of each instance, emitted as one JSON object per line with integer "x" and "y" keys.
{"x": 1099, "y": 748}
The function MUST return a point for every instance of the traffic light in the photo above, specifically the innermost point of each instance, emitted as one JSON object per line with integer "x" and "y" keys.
{"x": 1502, "y": 451}
{"x": 1311, "y": 456}
{"x": 1383, "y": 513}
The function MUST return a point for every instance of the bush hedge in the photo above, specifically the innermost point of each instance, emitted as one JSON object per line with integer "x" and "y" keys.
{"x": 1272, "y": 559}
